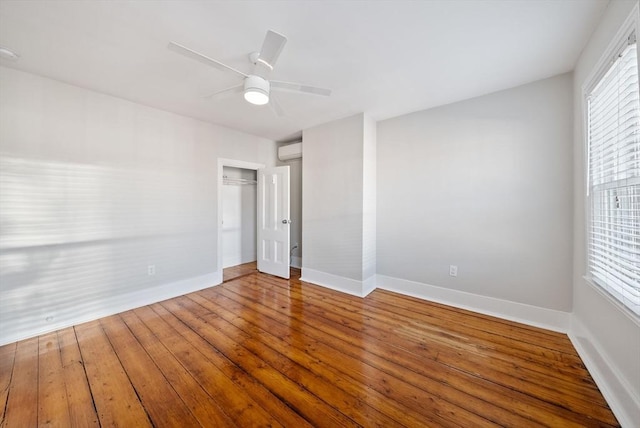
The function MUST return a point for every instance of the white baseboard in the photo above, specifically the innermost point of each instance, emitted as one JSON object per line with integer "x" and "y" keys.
{"x": 116, "y": 304}
{"x": 338, "y": 283}
{"x": 216, "y": 278}
{"x": 238, "y": 260}
{"x": 615, "y": 388}
{"x": 519, "y": 312}
{"x": 369, "y": 284}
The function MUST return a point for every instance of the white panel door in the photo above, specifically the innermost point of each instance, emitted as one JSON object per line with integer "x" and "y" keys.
{"x": 273, "y": 221}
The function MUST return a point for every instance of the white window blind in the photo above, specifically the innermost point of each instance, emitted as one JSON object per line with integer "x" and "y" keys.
{"x": 614, "y": 179}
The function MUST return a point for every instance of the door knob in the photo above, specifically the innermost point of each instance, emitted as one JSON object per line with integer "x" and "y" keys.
{"x": 286, "y": 221}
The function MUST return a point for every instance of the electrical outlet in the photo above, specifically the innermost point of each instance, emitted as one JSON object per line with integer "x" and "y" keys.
{"x": 453, "y": 270}
{"x": 151, "y": 270}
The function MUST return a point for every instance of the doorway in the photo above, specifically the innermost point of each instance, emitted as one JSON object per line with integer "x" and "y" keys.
{"x": 236, "y": 224}
{"x": 238, "y": 216}
{"x": 271, "y": 212}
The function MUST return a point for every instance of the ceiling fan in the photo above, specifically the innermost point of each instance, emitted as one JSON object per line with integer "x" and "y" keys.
{"x": 256, "y": 87}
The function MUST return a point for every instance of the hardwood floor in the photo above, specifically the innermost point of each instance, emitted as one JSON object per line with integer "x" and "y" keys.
{"x": 262, "y": 351}
{"x": 235, "y": 272}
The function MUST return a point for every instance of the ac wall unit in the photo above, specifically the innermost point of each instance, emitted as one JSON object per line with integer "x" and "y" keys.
{"x": 290, "y": 151}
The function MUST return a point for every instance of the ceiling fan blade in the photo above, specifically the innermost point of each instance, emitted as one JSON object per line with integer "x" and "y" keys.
{"x": 233, "y": 89}
{"x": 271, "y": 48}
{"x": 182, "y": 50}
{"x": 275, "y": 106}
{"x": 298, "y": 87}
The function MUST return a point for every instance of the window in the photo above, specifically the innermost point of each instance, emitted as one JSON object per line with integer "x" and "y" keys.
{"x": 613, "y": 134}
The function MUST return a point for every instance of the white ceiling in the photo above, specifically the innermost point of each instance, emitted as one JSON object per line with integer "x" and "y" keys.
{"x": 385, "y": 58}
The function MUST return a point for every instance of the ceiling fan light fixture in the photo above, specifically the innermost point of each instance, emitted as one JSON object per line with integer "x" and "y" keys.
{"x": 256, "y": 97}
{"x": 256, "y": 90}
{"x": 255, "y": 87}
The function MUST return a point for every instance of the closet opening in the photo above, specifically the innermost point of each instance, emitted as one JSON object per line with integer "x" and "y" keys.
{"x": 239, "y": 217}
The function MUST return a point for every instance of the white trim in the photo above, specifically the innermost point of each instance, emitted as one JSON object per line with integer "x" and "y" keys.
{"x": 217, "y": 277}
{"x": 338, "y": 283}
{"x": 234, "y": 163}
{"x": 121, "y": 303}
{"x": 222, "y": 162}
{"x": 369, "y": 284}
{"x": 535, "y": 316}
{"x": 519, "y": 312}
{"x": 616, "y": 390}
{"x": 630, "y": 24}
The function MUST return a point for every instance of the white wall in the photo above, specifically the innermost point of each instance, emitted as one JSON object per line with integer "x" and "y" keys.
{"x": 332, "y": 198}
{"x": 369, "y": 197}
{"x": 338, "y": 172}
{"x": 607, "y": 337}
{"x": 93, "y": 190}
{"x": 484, "y": 184}
{"x": 239, "y": 217}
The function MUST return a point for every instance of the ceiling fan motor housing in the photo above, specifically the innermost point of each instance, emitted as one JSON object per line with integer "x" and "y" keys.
{"x": 256, "y": 90}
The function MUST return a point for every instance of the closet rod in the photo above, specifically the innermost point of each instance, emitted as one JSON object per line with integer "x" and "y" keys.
{"x": 237, "y": 181}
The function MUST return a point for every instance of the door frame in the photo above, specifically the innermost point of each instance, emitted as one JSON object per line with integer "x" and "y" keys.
{"x": 222, "y": 162}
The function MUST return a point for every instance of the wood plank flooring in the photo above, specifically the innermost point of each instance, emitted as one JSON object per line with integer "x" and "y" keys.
{"x": 262, "y": 351}
{"x": 235, "y": 272}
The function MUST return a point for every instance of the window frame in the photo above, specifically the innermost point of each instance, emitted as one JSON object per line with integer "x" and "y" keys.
{"x": 616, "y": 46}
